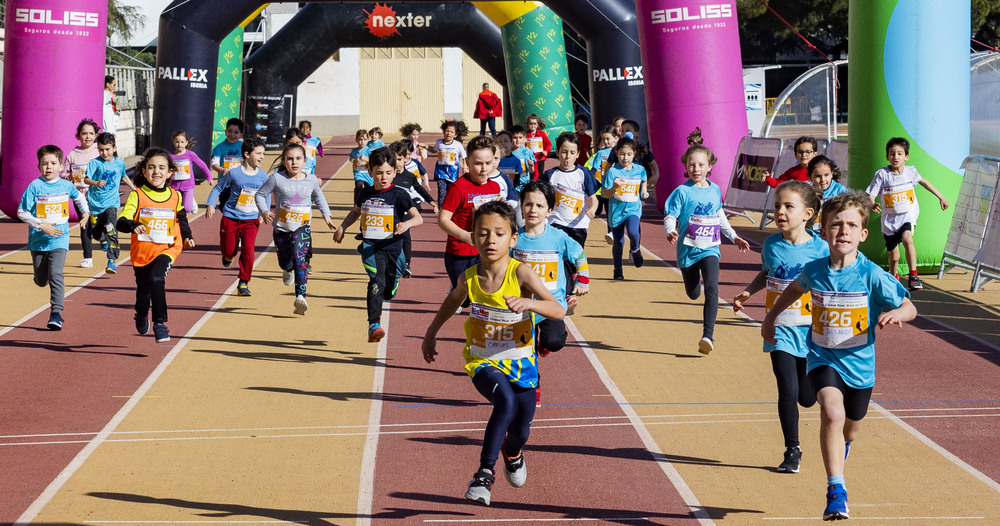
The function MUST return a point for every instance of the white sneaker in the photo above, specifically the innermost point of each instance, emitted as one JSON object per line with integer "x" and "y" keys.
{"x": 458, "y": 310}
{"x": 609, "y": 238}
{"x": 287, "y": 277}
{"x": 300, "y": 305}
{"x": 705, "y": 346}
{"x": 86, "y": 262}
{"x": 514, "y": 469}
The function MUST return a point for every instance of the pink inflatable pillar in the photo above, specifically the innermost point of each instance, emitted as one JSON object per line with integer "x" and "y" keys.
{"x": 53, "y": 78}
{"x": 693, "y": 78}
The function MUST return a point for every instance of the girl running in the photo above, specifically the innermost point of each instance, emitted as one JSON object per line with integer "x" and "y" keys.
{"x": 784, "y": 254}
{"x": 825, "y": 176}
{"x": 295, "y": 192}
{"x": 625, "y": 185}
{"x": 538, "y": 141}
{"x": 500, "y": 346}
{"x": 75, "y": 168}
{"x": 183, "y": 179}
{"x": 697, "y": 206}
{"x": 155, "y": 215}
{"x": 450, "y": 154}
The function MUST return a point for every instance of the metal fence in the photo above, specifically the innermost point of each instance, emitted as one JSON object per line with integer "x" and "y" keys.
{"x": 135, "y": 105}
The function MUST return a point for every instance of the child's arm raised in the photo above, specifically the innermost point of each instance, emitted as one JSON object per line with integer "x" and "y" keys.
{"x": 414, "y": 220}
{"x": 787, "y": 298}
{"x": 452, "y": 302}
{"x": 754, "y": 287}
{"x": 352, "y": 216}
{"x": 902, "y": 314}
{"x": 545, "y": 304}
{"x": 930, "y": 188}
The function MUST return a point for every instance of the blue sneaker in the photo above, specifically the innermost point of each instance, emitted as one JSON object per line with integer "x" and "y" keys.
{"x": 142, "y": 324}
{"x": 161, "y": 333}
{"x": 55, "y": 322}
{"x": 226, "y": 262}
{"x": 112, "y": 268}
{"x": 836, "y": 503}
{"x": 242, "y": 289}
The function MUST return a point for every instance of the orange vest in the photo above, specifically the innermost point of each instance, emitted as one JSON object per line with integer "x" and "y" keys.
{"x": 160, "y": 220}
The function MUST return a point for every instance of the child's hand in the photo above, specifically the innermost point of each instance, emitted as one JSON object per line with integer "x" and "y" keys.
{"x": 189, "y": 243}
{"x": 672, "y": 238}
{"x": 877, "y": 208}
{"x": 435, "y": 209}
{"x": 338, "y": 234}
{"x": 211, "y": 182}
{"x": 139, "y": 229}
{"x": 742, "y": 244}
{"x": 645, "y": 195}
{"x": 210, "y": 211}
{"x": 591, "y": 212}
{"x": 517, "y": 303}
{"x": 427, "y": 348}
{"x": 101, "y": 183}
{"x": 944, "y": 203}
{"x": 738, "y": 301}
{"x": 83, "y": 220}
{"x": 889, "y": 318}
{"x": 329, "y": 222}
{"x": 267, "y": 217}
{"x": 580, "y": 291}
{"x": 767, "y": 331}
{"x": 50, "y": 230}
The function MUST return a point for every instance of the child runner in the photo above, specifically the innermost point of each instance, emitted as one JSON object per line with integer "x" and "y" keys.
{"x": 538, "y": 141}
{"x": 295, "y": 191}
{"x": 359, "y": 161}
{"x": 599, "y": 164}
{"x": 381, "y": 209}
{"x": 697, "y": 206}
{"x": 499, "y": 348}
{"x": 581, "y": 122}
{"x": 105, "y": 174}
{"x": 183, "y": 180}
{"x": 375, "y": 134}
{"x": 313, "y": 145}
{"x": 825, "y": 177}
{"x": 805, "y": 149}
{"x": 783, "y": 256}
{"x": 74, "y": 168}
{"x": 411, "y": 131}
{"x": 848, "y": 296}
{"x": 507, "y": 188}
{"x": 467, "y": 194}
{"x": 617, "y": 124}
{"x": 450, "y": 154}
{"x": 295, "y": 136}
{"x": 409, "y": 180}
{"x": 510, "y": 164}
{"x": 228, "y": 154}
{"x": 44, "y": 207}
{"x": 240, "y": 217}
{"x": 900, "y": 208}
{"x": 155, "y": 216}
{"x": 625, "y": 185}
{"x": 519, "y": 138}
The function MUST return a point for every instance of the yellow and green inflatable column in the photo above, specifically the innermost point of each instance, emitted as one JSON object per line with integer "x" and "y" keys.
{"x": 910, "y": 78}
{"x": 535, "y": 55}
{"x": 229, "y": 86}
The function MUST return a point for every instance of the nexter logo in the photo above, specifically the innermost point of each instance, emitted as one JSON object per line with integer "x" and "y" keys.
{"x": 686, "y": 14}
{"x": 197, "y": 78}
{"x": 632, "y": 75}
{"x": 66, "y": 18}
{"x": 383, "y": 21}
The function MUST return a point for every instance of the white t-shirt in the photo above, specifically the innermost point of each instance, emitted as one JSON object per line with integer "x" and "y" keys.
{"x": 899, "y": 198}
{"x": 110, "y": 120}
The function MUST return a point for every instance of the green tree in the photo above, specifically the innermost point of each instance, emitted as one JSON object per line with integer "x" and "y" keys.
{"x": 763, "y": 35}
{"x": 986, "y": 22}
{"x": 124, "y": 20}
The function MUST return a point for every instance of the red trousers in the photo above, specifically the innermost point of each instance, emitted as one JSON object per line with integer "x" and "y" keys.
{"x": 236, "y": 233}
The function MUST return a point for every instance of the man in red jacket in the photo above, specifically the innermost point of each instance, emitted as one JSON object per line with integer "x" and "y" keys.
{"x": 487, "y": 108}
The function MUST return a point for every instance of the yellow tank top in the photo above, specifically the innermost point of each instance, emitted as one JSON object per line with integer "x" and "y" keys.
{"x": 496, "y": 336}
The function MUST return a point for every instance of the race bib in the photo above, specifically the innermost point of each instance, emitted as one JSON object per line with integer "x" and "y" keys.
{"x": 524, "y": 164}
{"x": 480, "y": 200}
{"x": 499, "y": 334}
{"x": 423, "y": 153}
{"x": 77, "y": 172}
{"x": 183, "y": 172}
{"x": 534, "y": 144}
{"x": 310, "y": 151}
{"x": 628, "y": 189}
{"x": 291, "y": 217}
{"x": 231, "y": 161}
{"x": 839, "y": 319}
{"x": 377, "y": 221}
{"x": 159, "y": 223}
{"x": 245, "y": 202}
{"x": 545, "y": 263}
{"x": 447, "y": 158}
{"x": 703, "y": 231}
{"x": 603, "y": 170}
{"x": 796, "y": 315}
{"x": 900, "y": 198}
{"x": 360, "y": 165}
{"x": 52, "y": 208}
{"x": 569, "y": 202}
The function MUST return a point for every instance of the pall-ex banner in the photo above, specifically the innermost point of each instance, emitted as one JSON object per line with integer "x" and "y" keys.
{"x": 755, "y": 158}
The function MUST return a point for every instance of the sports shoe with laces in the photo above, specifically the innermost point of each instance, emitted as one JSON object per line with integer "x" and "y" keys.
{"x": 637, "y": 258}
{"x": 836, "y": 503}
{"x": 705, "y": 345}
{"x": 619, "y": 275}
{"x": 300, "y": 305}
{"x": 514, "y": 469}
{"x": 142, "y": 324}
{"x": 242, "y": 289}
{"x": 161, "y": 333}
{"x": 226, "y": 262}
{"x": 609, "y": 238}
{"x": 375, "y": 334}
{"x": 55, "y": 321}
{"x": 793, "y": 456}
{"x": 914, "y": 283}
{"x": 407, "y": 273}
{"x": 479, "y": 488}
{"x": 86, "y": 262}
{"x": 112, "y": 268}
{"x": 287, "y": 277}
{"x": 571, "y": 303}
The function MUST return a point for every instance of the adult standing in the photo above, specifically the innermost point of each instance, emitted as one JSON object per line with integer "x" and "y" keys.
{"x": 487, "y": 108}
{"x": 110, "y": 120}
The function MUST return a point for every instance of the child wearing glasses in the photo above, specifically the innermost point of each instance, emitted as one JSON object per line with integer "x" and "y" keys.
{"x": 805, "y": 149}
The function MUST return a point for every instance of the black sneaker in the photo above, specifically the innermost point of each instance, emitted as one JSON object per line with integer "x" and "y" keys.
{"x": 619, "y": 276}
{"x": 637, "y": 258}
{"x": 161, "y": 333}
{"x": 479, "y": 488}
{"x": 242, "y": 289}
{"x": 793, "y": 456}
{"x": 226, "y": 262}
{"x": 55, "y": 322}
{"x": 914, "y": 283}
{"x": 142, "y": 324}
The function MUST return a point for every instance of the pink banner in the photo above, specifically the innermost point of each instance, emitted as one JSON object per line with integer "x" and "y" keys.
{"x": 693, "y": 78}
{"x": 53, "y": 78}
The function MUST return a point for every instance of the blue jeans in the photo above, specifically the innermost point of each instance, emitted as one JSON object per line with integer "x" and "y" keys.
{"x": 492, "y": 122}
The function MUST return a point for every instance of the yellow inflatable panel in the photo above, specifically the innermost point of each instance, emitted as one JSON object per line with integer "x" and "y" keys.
{"x": 254, "y": 15}
{"x": 503, "y": 12}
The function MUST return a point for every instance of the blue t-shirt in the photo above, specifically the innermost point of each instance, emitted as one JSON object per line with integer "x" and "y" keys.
{"x": 511, "y": 166}
{"x": 230, "y": 150}
{"x": 359, "y": 164}
{"x": 101, "y": 199}
{"x": 598, "y": 162}
{"x": 375, "y": 145}
{"x": 783, "y": 262}
{"x": 54, "y": 197}
{"x": 688, "y": 200}
{"x": 311, "y": 145}
{"x": 628, "y": 200}
{"x": 834, "y": 189}
{"x": 854, "y": 297}
{"x": 546, "y": 254}
{"x": 527, "y": 159}
{"x": 243, "y": 187}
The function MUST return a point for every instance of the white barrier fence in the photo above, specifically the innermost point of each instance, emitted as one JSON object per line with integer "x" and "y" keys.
{"x": 973, "y": 240}
{"x": 135, "y": 106}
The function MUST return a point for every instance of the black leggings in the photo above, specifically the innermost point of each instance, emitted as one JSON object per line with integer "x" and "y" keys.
{"x": 707, "y": 270}
{"x": 510, "y": 422}
{"x": 550, "y": 335}
{"x": 151, "y": 288}
{"x": 793, "y": 390}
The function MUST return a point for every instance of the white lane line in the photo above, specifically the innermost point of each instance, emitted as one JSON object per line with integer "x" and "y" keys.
{"x": 901, "y": 518}
{"x": 366, "y": 488}
{"x": 682, "y": 488}
{"x": 92, "y": 445}
{"x": 529, "y": 519}
{"x": 196, "y": 522}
